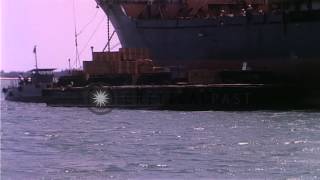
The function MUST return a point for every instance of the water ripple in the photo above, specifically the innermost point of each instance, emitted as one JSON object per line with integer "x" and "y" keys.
{"x": 71, "y": 143}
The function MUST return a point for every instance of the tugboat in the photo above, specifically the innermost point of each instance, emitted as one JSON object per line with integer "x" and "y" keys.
{"x": 30, "y": 88}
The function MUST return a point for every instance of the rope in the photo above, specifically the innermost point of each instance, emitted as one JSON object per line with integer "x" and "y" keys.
{"x": 92, "y": 35}
{"x": 116, "y": 45}
{"x": 90, "y": 22}
{"x": 108, "y": 42}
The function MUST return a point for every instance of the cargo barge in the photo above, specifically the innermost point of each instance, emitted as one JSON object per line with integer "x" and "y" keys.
{"x": 128, "y": 78}
{"x": 182, "y": 97}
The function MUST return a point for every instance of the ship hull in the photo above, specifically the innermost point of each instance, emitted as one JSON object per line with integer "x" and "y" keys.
{"x": 185, "y": 40}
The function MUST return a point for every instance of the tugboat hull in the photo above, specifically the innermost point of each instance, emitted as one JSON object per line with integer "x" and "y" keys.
{"x": 25, "y": 94}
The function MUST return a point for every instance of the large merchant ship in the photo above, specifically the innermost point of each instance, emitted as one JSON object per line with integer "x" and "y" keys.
{"x": 182, "y": 32}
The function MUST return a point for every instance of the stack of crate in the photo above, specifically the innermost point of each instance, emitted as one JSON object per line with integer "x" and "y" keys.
{"x": 145, "y": 66}
{"x": 134, "y": 53}
{"x": 132, "y": 61}
{"x": 202, "y": 76}
{"x": 103, "y": 63}
{"x": 132, "y": 58}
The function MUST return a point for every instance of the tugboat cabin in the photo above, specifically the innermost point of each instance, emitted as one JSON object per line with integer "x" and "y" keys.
{"x": 39, "y": 76}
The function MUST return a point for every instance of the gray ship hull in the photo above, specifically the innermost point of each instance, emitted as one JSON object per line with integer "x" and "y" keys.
{"x": 183, "y": 40}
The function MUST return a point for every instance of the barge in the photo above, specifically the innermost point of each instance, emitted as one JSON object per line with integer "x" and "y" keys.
{"x": 181, "y": 97}
{"x": 129, "y": 79}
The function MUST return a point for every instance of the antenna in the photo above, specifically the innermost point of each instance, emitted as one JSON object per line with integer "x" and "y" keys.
{"x": 76, "y": 34}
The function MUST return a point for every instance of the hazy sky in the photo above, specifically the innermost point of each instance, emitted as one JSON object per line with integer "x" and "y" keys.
{"x": 49, "y": 24}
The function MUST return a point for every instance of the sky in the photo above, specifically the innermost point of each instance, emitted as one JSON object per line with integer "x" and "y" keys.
{"x": 49, "y": 24}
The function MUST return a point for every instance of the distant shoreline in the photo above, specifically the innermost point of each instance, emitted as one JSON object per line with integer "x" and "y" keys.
{"x": 8, "y": 78}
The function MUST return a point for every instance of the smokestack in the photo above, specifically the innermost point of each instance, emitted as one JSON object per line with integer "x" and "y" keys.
{"x": 92, "y": 51}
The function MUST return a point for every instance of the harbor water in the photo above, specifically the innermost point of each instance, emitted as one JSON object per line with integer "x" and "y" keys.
{"x": 40, "y": 142}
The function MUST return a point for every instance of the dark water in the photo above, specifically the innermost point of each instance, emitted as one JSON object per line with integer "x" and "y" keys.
{"x": 39, "y": 142}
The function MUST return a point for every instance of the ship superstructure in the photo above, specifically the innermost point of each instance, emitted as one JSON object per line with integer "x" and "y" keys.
{"x": 180, "y": 32}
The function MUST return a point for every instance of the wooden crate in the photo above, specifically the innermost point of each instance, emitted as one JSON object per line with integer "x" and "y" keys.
{"x": 202, "y": 76}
